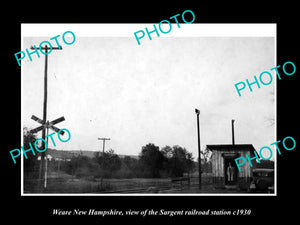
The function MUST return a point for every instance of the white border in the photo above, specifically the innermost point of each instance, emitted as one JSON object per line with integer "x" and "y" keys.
{"x": 128, "y": 30}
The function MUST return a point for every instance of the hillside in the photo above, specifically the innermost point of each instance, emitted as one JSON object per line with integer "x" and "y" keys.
{"x": 62, "y": 154}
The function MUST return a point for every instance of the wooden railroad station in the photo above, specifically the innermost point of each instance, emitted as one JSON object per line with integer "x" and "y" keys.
{"x": 224, "y": 169}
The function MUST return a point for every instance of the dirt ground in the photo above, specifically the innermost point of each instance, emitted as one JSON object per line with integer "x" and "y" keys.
{"x": 63, "y": 183}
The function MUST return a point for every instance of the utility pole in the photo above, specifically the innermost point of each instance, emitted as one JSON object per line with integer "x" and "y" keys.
{"x": 199, "y": 150}
{"x": 46, "y": 161}
{"x": 46, "y": 48}
{"x": 232, "y": 128}
{"x": 104, "y": 139}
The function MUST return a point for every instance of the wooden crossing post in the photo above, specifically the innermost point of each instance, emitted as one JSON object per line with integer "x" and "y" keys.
{"x": 44, "y": 121}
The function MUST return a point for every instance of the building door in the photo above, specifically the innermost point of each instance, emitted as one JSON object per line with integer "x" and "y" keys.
{"x": 230, "y": 171}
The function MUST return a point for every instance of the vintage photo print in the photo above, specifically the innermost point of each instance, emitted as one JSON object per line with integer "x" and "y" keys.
{"x": 163, "y": 117}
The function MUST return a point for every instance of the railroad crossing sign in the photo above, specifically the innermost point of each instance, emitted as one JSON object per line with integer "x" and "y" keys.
{"x": 47, "y": 124}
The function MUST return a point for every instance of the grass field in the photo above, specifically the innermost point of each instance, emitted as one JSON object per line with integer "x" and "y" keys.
{"x": 64, "y": 183}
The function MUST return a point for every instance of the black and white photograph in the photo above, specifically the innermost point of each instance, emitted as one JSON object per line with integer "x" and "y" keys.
{"x": 149, "y": 113}
{"x": 161, "y": 118}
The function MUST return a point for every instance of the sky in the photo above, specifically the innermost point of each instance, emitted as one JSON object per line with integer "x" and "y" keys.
{"x": 139, "y": 94}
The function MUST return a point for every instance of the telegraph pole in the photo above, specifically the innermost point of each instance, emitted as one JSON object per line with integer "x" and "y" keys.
{"x": 46, "y": 161}
{"x": 46, "y": 48}
{"x": 232, "y": 128}
{"x": 199, "y": 151}
{"x": 104, "y": 139}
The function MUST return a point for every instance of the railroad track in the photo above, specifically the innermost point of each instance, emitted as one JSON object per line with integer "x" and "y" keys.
{"x": 175, "y": 186}
{"x": 148, "y": 190}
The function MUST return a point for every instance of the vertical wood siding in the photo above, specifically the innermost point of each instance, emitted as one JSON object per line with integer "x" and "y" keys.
{"x": 218, "y": 164}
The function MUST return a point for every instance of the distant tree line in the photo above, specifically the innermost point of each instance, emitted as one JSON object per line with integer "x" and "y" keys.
{"x": 152, "y": 162}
